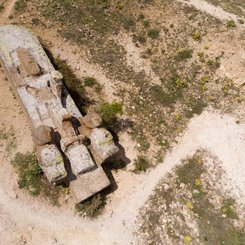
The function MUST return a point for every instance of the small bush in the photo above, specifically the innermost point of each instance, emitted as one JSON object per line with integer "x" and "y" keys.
{"x": 128, "y": 24}
{"x": 227, "y": 208}
{"x": 20, "y": 5}
{"x": 140, "y": 38}
{"x": 196, "y": 36}
{"x": 230, "y": 24}
{"x": 184, "y": 54}
{"x": 89, "y": 81}
{"x": 29, "y": 172}
{"x": 92, "y": 207}
{"x": 1, "y": 8}
{"x": 109, "y": 111}
{"x": 153, "y": 33}
{"x": 146, "y": 23}
{"x": 141, "y": 164}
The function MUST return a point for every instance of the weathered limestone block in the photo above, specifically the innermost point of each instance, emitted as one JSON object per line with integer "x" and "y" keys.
{"x": 28, "y": 65}
{"x": 80, "y": 159}
{"x": 91, "y": 120}
{"x": 102, "y": 143}
{"x": 88, "y": 184}
{"x": 43, "y": 135}
{"x": 51, "y": 162}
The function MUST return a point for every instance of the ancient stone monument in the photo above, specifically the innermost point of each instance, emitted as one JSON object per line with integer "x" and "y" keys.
{"x": 59, "y": 128}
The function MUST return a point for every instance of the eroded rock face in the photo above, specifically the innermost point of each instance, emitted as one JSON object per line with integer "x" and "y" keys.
{"x": 102, "y": 143}
{"x": 43, "y": 135}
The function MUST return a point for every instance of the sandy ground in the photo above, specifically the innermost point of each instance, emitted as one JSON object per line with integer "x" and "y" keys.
{"x": 24, "y": 220}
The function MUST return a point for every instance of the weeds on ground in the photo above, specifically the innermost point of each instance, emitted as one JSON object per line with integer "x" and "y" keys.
{"x": 141, "y": 164}
{"x": 153, "y": 33}
{"x": 92, "y": 207}
{"x": 89, "y": 81}
{"x": 30, "y": 177}
{"x": 20, "y": 5}
{"x": 28, "y": 171}
{"x": 230, "y": 24}
{"x": 109, "y": 111}
{"x": 186, "y": 188}
{"x": 184, "y": 54}
{"x": 196, "y": 36}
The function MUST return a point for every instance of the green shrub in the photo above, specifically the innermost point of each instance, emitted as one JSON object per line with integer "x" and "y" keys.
{"x": 196, "y": 36}
{"x": 109, "y": 111}
{"x": 141, "y": 164}
{"x": 29, "y": 172}
{"x": 20, "y": 5}
{"x": 230, "y": 24}
{"x": 89, "y": 81}
{"x": 184, "y": 54}
{"x": 92, "y": 207}
{"x": 227, "y": 208}
{"x": 153, "y": 33}
{"x": 146, "y": 23}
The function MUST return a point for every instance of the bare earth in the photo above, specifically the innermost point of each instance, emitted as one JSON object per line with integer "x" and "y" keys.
{"x": 24, "y": 220}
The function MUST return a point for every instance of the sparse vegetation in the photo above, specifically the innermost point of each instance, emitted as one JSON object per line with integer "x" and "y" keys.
{"x": 92, "y": 207}
{"x": 141, "y": 164}
{"x": 153, "y": 33}
{"x": 196, "y": 36}
{"x": 230, "y": 24}
{"x": 184, "y": 54}
{"x": 89, "y": 81}
{"x": 185, "y": 199}
{"x": 29, "y": 172}
{"x": 20, "y": 5}
{"x": 110, "y": 111}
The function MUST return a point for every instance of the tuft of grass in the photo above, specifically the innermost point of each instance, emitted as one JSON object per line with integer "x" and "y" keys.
{"x": 92, "y": 207}
{"x": 190, "y": 171}
{"x": 196, "y": 36}
{"x": 153, "y": 33}
{"x": 230, "y": 24}
{"x": 184, "y": 54}
{"x": 109, "y": 111}
{"x": 141, "y": 164}
{"x": 227, "y": 208}
{"x": 20, "y": 5}
{"x": 89, "y": 81}
{"x": 29, "y": 172}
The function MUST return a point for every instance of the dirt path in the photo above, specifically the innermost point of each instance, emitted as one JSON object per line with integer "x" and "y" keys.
{"x": 217, "y": 12}
{"x": 8, "y": 7}
{"x": 24, "y": 220}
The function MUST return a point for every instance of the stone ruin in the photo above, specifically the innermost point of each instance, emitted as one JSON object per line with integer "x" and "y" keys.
{"x": 59, "y": 129}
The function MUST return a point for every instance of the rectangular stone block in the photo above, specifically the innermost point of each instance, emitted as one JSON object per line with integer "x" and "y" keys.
{"x": 88, "y": 184}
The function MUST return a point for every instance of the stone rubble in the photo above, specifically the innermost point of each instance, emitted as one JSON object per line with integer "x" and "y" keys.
{"x": 51, "y": 112}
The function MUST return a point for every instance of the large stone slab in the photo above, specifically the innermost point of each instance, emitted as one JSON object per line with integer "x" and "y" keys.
{"x": 51, "y": 162}
{"x": 80, "y": 159}
{"x": 102, "y": 143}
{"x": 88, "y": 184}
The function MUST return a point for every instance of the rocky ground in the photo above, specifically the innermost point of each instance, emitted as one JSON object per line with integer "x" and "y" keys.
{"x": 166, "y": 62}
